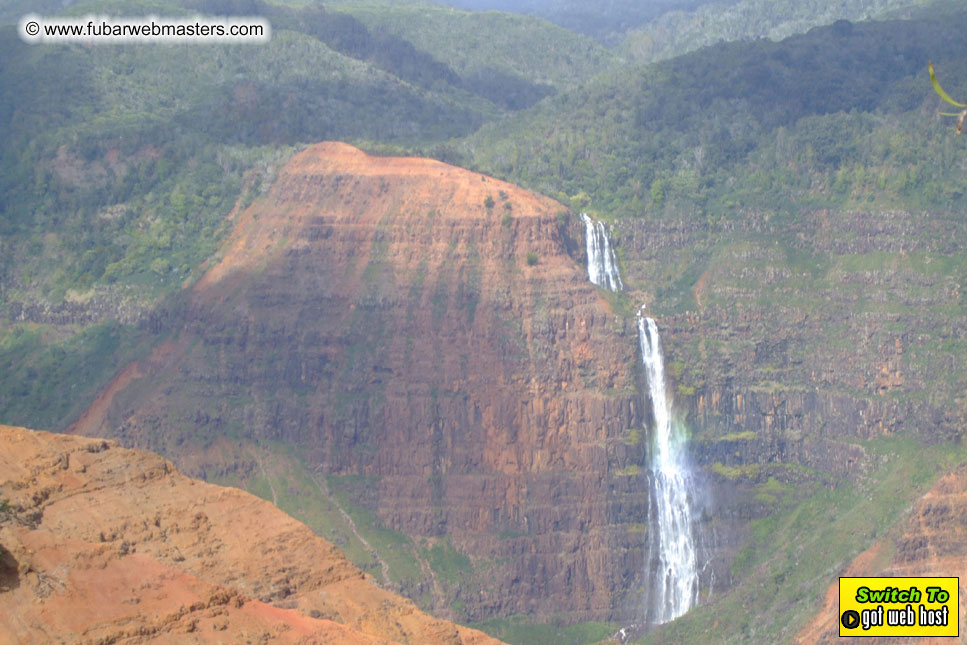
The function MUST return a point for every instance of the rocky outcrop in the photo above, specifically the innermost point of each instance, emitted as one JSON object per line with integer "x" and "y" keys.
{"x": 931, "y": 542}
{"x": 101, "y": 544}
{"x": 433, "y": 331}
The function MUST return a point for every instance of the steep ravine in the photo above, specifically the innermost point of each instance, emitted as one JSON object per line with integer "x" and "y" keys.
{"x": 426, "y": 338}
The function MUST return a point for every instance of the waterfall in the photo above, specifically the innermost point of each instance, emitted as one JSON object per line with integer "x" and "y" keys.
{"x": 676, "y": 583}
{"x": 602, "y": 264}
{"x": 676, "y": 579}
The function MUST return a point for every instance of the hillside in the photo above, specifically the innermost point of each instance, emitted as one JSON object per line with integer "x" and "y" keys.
{"x": 930, "y": 542}
{"x": 125, "y": 168}
{"x": 407, "y": 356}
{"x": 678, "y": 32}
{"x": 415, "y": 347}
{"x": 483, "y": 47}
{"x": 103, "y": 544}
{"x": 124, "y": 165}
{"x": 758, "y": 125}
{"x": 792, "y": 212}
{"x": 605, "y": 22}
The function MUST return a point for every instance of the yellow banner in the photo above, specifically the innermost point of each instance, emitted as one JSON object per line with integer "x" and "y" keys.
{"x": 899, "y": 607}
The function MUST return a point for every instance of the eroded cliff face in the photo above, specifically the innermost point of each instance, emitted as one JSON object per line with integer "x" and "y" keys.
{"x": 425, "y": 338}
{"x": 103, "y": 544}
{"x": 931, "y": 541}
{"x": 797, "y": 337}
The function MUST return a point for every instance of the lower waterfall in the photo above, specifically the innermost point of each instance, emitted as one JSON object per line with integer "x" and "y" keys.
{"x": 676, "y": 584}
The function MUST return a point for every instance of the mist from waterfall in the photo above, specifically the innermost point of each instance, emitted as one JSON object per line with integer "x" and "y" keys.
{"x": 602, "y": 263}
{"x": 675, "y": 582}
{"x": 676, "y": 585}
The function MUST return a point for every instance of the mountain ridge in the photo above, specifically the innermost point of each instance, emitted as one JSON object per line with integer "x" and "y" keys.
{"x": 441, "y": 359}
{"x": 100, "y": 543}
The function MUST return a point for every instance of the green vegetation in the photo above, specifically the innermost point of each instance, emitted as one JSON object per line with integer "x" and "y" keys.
{"x": 746, "y": 435}
{"x": 605, "y": 22}
{"x": 45, "y": 383}
{"x": 679, "y": 32}
{"x": 126, "y": 167}
{"x": 633, "y": 437}
{"x": 735, "y": 472}
{"x": 399, "y": 552}
{"x": 771, "y": 126}
{"x": 511, "y": 59}
{"x": 523, "y": 630}
{"x": 449, "y": 564}
{"x": 629, "y": 471}
{"x": 796, "y": 553}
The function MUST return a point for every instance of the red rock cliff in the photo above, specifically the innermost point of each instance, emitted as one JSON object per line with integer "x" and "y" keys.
{"x": 99, "y": 544}
{"x": 432, "y": 330}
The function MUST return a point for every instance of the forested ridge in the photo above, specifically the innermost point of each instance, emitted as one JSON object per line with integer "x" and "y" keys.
{"x": 126, "y": 164}
{"x": 790, "y": 210}
{"x": 842, "y": 115}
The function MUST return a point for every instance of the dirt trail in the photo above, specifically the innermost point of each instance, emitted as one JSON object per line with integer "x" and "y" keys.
{"x": 383, "y": 567}
{"x": 265, "y": 475}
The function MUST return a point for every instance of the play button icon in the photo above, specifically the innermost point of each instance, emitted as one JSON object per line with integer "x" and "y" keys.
{"x": 850, "y": 619}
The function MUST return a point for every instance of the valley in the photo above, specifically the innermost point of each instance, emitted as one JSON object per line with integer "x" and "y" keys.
{"x": 387, "y": 273}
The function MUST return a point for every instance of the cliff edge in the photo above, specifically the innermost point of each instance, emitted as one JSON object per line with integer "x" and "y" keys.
{"x": 102, "y": 544}
{"x": 423, "y": 341}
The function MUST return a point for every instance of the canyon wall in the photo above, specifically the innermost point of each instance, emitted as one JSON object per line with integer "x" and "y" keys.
{"x": 426, "y": 339}
{"x": 930, "y": 542}
{"x": 422, "y": 343}
{"x": 795, "y": 338}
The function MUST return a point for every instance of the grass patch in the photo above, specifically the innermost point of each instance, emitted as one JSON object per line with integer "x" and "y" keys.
{"x": 523, "y": 630}
{"x": 795, "y": 554}
{"x": 747, "y": 435}
{"x": 395, "y": 548}
{"x": 47, "y": 383}
{"x": 449, "y": 564}
{"x": 735, "y": 472}
{"x": 633, "y": 437}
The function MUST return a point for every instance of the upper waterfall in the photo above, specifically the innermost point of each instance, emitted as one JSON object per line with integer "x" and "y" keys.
{"x": 602, "y": 264}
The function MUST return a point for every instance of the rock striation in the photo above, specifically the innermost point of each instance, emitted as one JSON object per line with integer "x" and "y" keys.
{"x": 427, "y": 336}
{"x": 930, "y": 542}
{"x": 102, "y": 544}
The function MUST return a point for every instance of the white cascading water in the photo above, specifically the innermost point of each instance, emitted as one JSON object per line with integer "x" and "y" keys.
{"x": 676, "y": 583}
{"x": 602, "y": 264}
